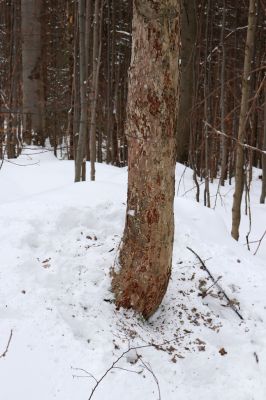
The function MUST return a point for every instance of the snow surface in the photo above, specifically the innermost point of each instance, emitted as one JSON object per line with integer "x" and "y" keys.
{"x": 58, "y": 242}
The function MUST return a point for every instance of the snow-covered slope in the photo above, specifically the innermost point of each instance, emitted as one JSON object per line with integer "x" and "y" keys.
{"x": 58, "y": 241}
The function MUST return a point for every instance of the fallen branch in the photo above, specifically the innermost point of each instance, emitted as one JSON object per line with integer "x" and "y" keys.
{"x": 149, "y": 369}
{"x": 230, "y": 302}
{"x": 207, "y": 291}
{"x": 7, "y": 346}
{"x": 114, "y": 366}
{"x": 260, "y": 240}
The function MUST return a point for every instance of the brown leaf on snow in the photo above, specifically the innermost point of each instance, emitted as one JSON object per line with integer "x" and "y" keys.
{"x": 46, "y": 261}
{"x": 222, "y": 351}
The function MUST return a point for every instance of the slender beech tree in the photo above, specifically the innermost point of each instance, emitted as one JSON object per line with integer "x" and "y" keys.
{"x": 239, "y": 177}
{"x": 96, "y": 55}
{"x": 263, "y": 189}
{"x": 207, "y": 108}
{"x": 32, "y": 74}
{"x": 187, "y": 81}
{"x": 222, "y": 102}
{"x": 83, "y": 98}
{"x": 146, "y": 253}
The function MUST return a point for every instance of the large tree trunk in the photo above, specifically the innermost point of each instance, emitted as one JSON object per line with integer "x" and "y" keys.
{"x": 146, "y": 252}
{"x": 239, "y": 178}
{"x": 187, "y": 82}
{"x": 33, "y": 90}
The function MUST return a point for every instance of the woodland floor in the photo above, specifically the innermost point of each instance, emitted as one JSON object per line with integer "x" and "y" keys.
{"x": 58, "y": 241}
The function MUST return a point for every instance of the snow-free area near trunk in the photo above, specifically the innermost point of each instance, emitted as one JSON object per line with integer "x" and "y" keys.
{"x": 58, "y": 241}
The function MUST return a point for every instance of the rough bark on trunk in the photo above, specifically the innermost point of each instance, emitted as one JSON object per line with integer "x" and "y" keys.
{"x": 207, "y": 113}
{"x": 263, "y": 189}
{"x": 222, "y": 105}
{"x": 33, "y": 90}
{"x": 83, "y": 99}
{"x": 146, "y": 254}
{"x": 239, "y": 177}
{"x": 97, "y": 47}
{"x": 187, "y": 81}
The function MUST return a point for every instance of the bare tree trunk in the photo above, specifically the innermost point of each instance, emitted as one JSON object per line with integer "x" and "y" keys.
{"x": 97, "y": 47}
{"x": 76, "y": 85}
{"x": 187, "y": 84}
{"x": 239, "y": 178}
{"x": 222, "y": 105}
{"x": 109, "y": 88}
{"x": 33, "y": 90}
{"x": 263, "y": 189}
{"x": 81, "y": 148}
{"x": 207, "y": 201}
{"x": 87, "y": 64}
{"x": 146, "y": 252}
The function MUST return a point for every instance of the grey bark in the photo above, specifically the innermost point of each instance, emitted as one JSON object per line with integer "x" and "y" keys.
{"x": 33, "y": 90}
{"x": 81, "y": 147}
{"x": 97, "y": 47}
{"x": 263, "y": 189}
{"x": 239, "y": 177}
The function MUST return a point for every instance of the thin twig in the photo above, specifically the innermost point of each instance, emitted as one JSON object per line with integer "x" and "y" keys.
{"x": 89, "y": 375}
{"x": 129, "y": 370}
{"x": 247, "y": 146}
{"x": 248, "y": 210}
{"x": 98, "y": 381}
{"x": 205, "y": 293}
{"x": 22, "y": 165}
{"x": 230, "y": 302}
{"x": 260, "y": 242}
{"x": 182, "y": 175}
{"x": 148, "y": 368}
{"x": 7, "y": 346}
{"x": 194, "y": 187}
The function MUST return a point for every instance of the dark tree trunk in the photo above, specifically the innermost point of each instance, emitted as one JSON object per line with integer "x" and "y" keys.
{"x": 239, "y": 179}
{"x": 81, "y": 148}
{"x": 263, "y": 189}
{"x": 187, "y": 81}
{"x": 33, "y": 90}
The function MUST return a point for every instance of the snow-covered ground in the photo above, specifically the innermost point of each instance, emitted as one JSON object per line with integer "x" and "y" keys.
{"x": 58, "y": 241}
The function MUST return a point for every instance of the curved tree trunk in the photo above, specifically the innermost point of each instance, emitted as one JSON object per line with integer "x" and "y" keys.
{"x": 146, "y": 252}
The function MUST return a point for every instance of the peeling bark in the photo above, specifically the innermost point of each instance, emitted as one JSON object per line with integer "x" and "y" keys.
{"x": 146, "y": 252}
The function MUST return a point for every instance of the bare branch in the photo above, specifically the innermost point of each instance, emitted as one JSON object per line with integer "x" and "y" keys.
{"x": 7, "y": 346}
{"x": 148, "y": 368}
{"x": 244, "y": 145}
{"x": 230, "y": 302}
{"x": 260, "y": 242}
